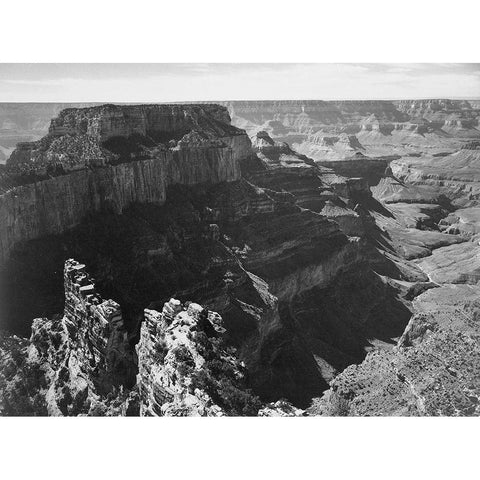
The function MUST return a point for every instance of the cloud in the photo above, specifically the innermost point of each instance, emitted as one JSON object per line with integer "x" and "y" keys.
{"x": 190, "y": 82}
{"x": 399, "y": 70}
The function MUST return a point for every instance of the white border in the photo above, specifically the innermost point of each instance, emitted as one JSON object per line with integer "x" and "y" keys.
{"x": 253, "y": 31}
{"x": 239, "y": 448}
{"x": 241, "y": 31}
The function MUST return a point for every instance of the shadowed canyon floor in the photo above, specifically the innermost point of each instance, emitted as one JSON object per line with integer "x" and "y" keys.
{"x": 314, "y": 264}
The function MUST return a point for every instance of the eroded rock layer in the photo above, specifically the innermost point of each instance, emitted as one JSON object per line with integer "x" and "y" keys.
{"x": 109, "y": 157}
{"x": 312, "y": 272}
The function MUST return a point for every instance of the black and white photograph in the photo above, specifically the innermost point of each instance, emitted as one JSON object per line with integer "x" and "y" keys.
{"x": 262, "y": 257}
{"x": 194, "y": 238}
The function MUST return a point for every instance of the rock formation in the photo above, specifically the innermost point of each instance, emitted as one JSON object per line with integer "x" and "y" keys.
{"x": 83, "y": 364}
{"x": 326, "y": 243}
{"x": 381, "y": 128}
{"x": 77, "y": 364}
{"x": 183, "y": 369}
{"x": 432, "y": 371}
{"x": 26, "y": 122}
{"x": 95, "y": 168}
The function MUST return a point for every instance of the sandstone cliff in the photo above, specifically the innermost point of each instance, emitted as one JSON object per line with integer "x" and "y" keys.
{"x": 77, "y": 364}
{"x": 109, "y": 157}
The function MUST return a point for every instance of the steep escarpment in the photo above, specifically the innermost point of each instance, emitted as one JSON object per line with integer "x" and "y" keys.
{"x": 279, "y": 168}
{"x": 204, "y": 244}
{"x": 86, "y": 165}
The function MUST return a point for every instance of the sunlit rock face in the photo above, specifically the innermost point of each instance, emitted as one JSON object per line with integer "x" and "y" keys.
{"x": 373, "y": 131}
{"x": 184, "y": 369}
{"x": 432, "y": 371}
{"x": 80, "y": 363}
{"x": 454, "y": 175}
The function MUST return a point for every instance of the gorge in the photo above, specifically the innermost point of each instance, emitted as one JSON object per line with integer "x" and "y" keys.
{"x": 262, "y": 258}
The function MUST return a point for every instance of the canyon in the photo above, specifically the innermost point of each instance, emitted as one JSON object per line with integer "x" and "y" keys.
{"x": 274, "y": 258}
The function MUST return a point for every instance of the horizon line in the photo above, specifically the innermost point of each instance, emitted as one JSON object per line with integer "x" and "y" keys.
{"x": 344, "y": 99}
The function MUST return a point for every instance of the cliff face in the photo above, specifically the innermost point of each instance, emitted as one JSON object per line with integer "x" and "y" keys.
{"x": 77, "y": 364}
{"x": 167, "y": 121}
{"x": 455, "y": 175}
{"x": 306, "y": 116}
{"x": 94, "y": 175}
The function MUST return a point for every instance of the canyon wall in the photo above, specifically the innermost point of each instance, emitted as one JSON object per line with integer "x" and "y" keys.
{"x": 369, "y": 130}
{"x": 208, "y": 150}
{"x": 307, "y": 116}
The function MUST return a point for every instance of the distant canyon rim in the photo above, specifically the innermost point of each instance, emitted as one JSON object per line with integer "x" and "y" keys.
{"x": 270, "y": 258}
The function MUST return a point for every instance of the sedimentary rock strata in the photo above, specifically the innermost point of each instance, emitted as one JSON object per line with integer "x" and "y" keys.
{"x": 96, "y": 168}
{"x": 324, "y": 264}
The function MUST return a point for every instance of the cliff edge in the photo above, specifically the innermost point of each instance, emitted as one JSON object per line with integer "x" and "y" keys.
{"x": 108, "y": 157}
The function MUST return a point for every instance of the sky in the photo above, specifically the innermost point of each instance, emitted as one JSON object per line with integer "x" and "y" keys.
{"x": 172, "y": 82}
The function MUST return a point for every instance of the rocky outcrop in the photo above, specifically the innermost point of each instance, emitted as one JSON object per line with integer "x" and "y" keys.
{"x": 262, "y": 142}
{"x": 183, "y": 368}
{"x": 94, "y": 169}
{"x": 281, "y": 408}
{"x": 26, "y": 122}
{"x": 80, "y": 363}
{"x": 432, "y": 371}
{"x": 330, "y": 148}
